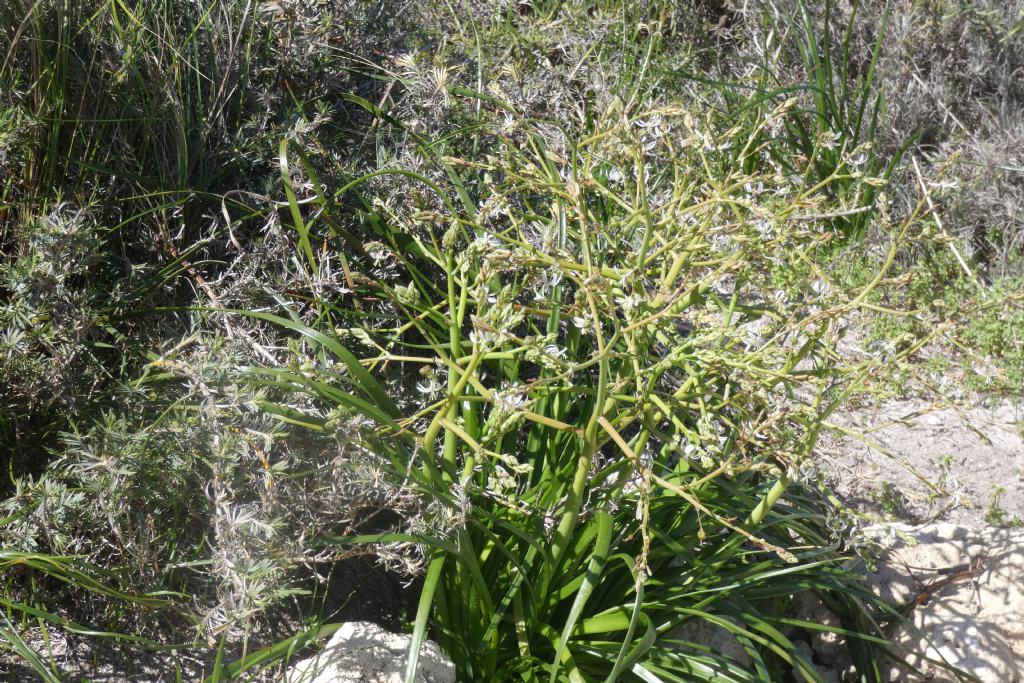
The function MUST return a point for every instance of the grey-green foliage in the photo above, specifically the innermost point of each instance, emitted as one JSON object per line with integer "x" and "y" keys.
{"x": 136, "y": 172}
{"x": 50, "y": 311}
{"x": 199, "y": 493}
{"x": 142, "y": 133}
{"x": 952, "y": 71}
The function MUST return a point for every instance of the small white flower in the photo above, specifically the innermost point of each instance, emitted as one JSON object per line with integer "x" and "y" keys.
{"x": 378, "y": 252}
{"x": 859, "y": 156}
{"x": 693, "y": 452}
{"x": 506, "y": 414}
{"x": 629, "y": 302}
{"x": 554, "y": 351}
{"x": 829, "y": 140}
{"x": 485, "y": 243}
{"x": 430, "y": 387}
{"x": 725, "y": 285}
{"x": 509, "y": 400}
{"x": 765, "y": 229}
{"x": 720, "y": 242}
{"x": 484, "y": 339}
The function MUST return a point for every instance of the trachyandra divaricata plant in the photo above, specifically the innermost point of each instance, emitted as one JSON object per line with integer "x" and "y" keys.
{"x": 615, "y": 400}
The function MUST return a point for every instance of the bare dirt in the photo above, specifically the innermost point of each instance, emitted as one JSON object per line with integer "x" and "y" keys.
{"x": 917, "y": 462}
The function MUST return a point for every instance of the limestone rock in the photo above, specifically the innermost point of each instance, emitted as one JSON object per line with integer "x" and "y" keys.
{"x": 361, "y": 652}
{"x": 974, "y": 622}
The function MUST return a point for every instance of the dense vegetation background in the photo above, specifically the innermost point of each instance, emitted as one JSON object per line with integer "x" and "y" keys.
{"x": 537, "y": 307}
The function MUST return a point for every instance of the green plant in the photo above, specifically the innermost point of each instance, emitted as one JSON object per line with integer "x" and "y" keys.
{"x": 890, "y": 498}
{"x": 992, "y": 334}
{"x": 134, "y": 160}
{"x": 945, "y": 480}
{"x": 995, "y": 515}
{"x": 84, "y": 577}
{"x": 133, "y": 165}
{"x": 610, "y": 419}
{"x": 833, "y": 135}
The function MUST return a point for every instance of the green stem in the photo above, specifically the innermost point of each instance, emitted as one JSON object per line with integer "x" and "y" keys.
{"x": 774, "y": 493}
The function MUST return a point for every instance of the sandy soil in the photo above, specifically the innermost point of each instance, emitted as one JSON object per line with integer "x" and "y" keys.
{"x": 916, "y": 462}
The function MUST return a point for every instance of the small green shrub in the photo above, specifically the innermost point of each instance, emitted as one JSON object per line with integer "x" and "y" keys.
{"x": 52, "y": 315}
{"x": 890, "y": 499}
{"x": 996, "y": 515}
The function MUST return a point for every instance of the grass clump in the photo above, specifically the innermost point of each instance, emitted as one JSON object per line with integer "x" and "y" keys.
{"x": 135, "y": 162}
{"x": 940, "y": 87}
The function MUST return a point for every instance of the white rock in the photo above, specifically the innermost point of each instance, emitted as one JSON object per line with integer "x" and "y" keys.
{"x": 976, "y": 623}
{"x": 361, "y": 652}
